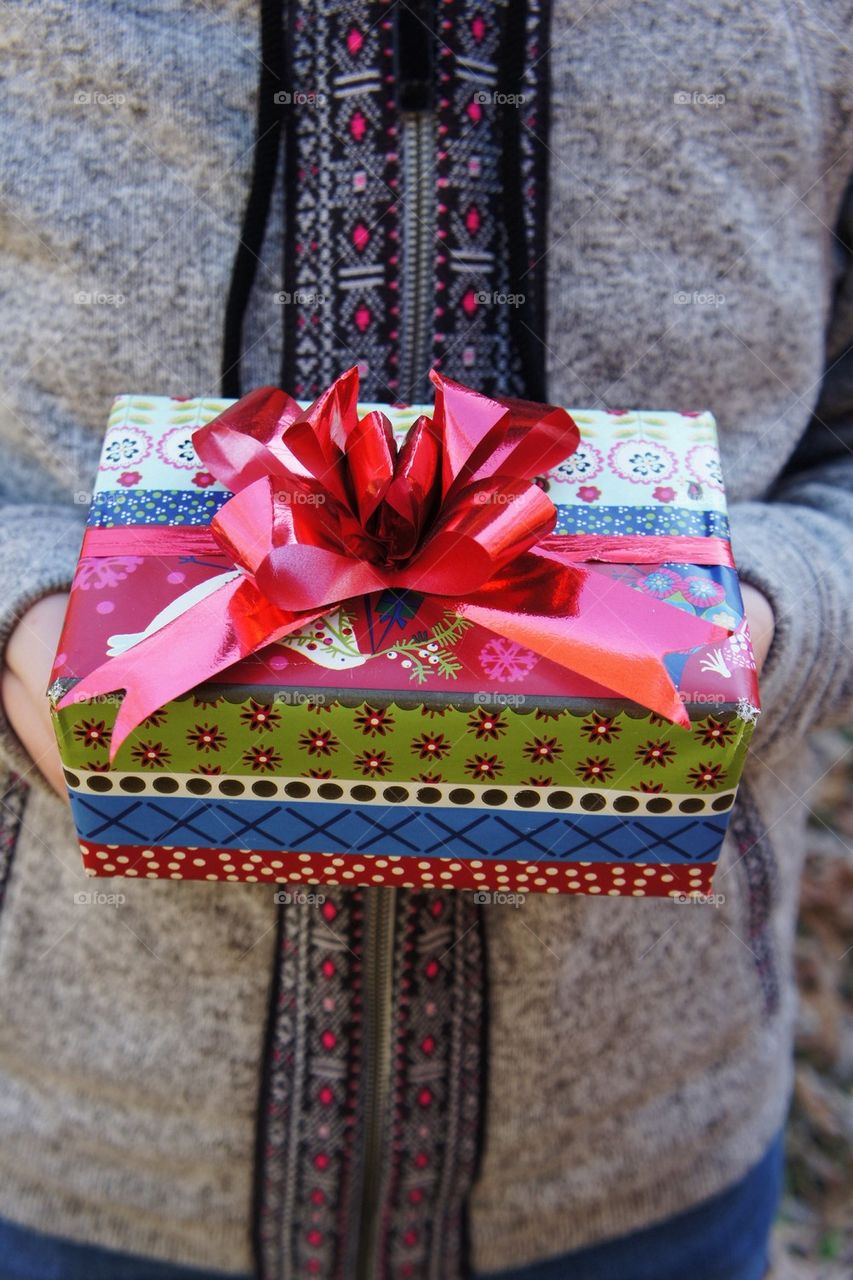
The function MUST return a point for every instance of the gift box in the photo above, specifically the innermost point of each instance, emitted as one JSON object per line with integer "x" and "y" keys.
{"x": 553, "y": 693}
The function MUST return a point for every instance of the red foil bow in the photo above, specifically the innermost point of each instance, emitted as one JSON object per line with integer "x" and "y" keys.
{"x": 326, "y": 507}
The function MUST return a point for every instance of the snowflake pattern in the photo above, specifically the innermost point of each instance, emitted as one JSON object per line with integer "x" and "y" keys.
{"x": 505, "y": 661}
{"x": 104, "y": 572}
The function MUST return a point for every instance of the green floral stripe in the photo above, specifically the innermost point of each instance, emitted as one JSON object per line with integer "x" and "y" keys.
{"x": 432, "y": 744}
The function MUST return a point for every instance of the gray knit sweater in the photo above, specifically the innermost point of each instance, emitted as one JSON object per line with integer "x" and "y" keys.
{"x": 639, "y": 1058}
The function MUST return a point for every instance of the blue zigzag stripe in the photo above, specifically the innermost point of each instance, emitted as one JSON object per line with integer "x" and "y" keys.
{"x": 434, "y": 832}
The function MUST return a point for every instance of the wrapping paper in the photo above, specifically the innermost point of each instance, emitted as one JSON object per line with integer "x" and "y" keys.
{"x": 392, "y": 740}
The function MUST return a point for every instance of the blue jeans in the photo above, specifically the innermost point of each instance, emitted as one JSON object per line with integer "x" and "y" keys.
{"x": 724, "y": 1238}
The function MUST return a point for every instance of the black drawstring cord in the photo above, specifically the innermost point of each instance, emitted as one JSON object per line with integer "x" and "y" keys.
{"x": 270, "y": 117}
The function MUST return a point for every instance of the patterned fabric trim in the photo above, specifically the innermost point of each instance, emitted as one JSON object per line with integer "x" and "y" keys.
{"x": 534, "y": 116}
{"x": 308, "y": 1118}
{"x": 474, "y": 292}
{"x": 758, "y": 870}
{"x": 343, "y": 236}
{"x": 309, "y": 1132}
{"x": 435, "y": 1110}
{"x": 342, "y": 259}
{"x": 13, "y": 801}
{"x": 342, "y": 286}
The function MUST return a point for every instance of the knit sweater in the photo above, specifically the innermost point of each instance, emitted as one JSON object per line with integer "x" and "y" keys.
{"x": 698, "y": 255}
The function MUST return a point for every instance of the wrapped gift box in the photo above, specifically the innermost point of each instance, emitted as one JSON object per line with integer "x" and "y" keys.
{"x": 393, "y": 740}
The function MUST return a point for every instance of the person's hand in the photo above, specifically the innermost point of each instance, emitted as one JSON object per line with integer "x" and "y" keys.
{"x": 29, "y": 659}
{"x": 762, "y": 624}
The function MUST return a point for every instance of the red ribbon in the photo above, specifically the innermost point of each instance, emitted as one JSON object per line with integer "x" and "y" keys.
{"x": 579, "y": 548}
{"x": 326, "y": 508}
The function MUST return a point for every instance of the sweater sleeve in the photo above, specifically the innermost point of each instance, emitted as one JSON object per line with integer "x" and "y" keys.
{"x": 39, "y": 546}
{"x": 796, "y": 546}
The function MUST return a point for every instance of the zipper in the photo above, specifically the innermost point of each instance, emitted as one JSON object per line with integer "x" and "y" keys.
{"x": 414, "y": 43}
{"x": 413, "y": 80}
{"x": 417, "y": 135}
{"x": 379, "y": 994}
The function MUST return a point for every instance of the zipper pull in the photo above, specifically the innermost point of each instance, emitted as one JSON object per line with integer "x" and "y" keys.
{"x": 414, "y": 53}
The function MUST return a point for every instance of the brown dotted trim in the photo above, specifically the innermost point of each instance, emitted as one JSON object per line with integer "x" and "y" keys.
{"x": 627, "y": 803}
